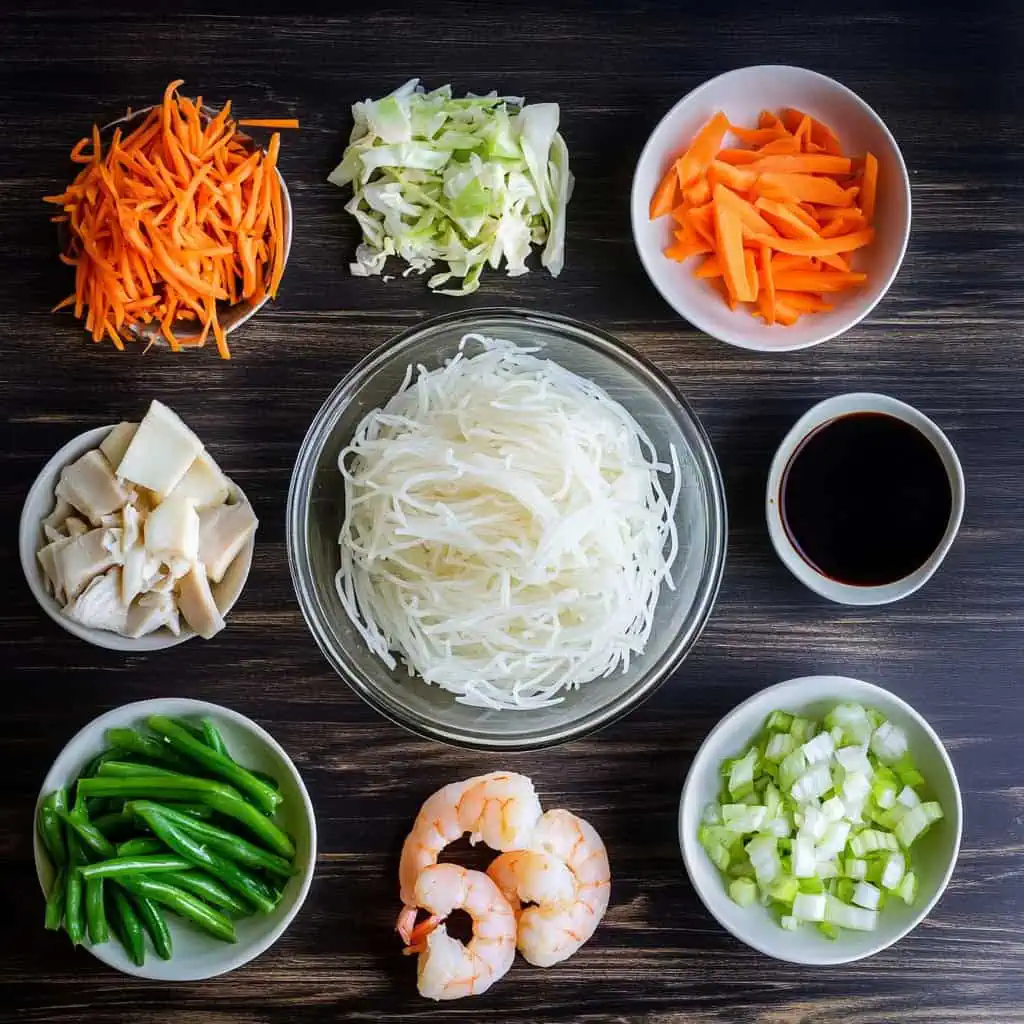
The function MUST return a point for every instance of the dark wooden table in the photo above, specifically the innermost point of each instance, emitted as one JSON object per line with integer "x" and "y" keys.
{"x": 947, "y": 338}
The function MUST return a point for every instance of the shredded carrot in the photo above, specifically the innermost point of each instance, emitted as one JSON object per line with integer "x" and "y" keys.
{"x": 776, "y": 218}
{"x": 175, "y": 217}
{"x": 269, "y": 122}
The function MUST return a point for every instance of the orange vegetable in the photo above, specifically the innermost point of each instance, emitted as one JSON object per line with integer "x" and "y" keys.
{"x": 771, "y": 219}
{"x": 174, "y": 217}
{"x": 269, "y": 122}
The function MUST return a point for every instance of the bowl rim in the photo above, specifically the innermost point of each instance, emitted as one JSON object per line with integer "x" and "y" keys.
{"x": 820, "y": 415}
{"x": 185, "y": 706}
{"x": 694, "y": 317}
{"x": 28, "y": 535}
{"x": 689, "y": 847}
{"x": 297, "y": 520}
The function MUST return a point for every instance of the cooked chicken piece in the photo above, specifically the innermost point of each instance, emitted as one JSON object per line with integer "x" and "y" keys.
{"x": 204, "y": 483}
{"x": 82, "y": 558}
{"x": 141, "y": 570}
{"x": 196, "y": 603}
{"x": 150, "y": 613}
{"x": 172, "y": 530}
{"x": 48, "y": 560}
{"x": 131, "y": 528}
{"x": 75, "y": 527}
{"x": 90, "y": 485}
{"x": 223, "y": 532}
{"x": 54, "y": 522}
{"x": 161, "y": 451}
{"x": 99, "y": 606}
{"x": 115, "y": 444}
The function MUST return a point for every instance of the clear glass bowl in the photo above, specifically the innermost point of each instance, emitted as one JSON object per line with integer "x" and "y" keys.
{"x": 316, "y": 511}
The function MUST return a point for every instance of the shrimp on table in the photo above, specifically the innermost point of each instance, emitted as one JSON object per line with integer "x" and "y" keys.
{"x": 562, "y": 920}
{"x": 447, "y": 969}
{"x": 500, "y": 808}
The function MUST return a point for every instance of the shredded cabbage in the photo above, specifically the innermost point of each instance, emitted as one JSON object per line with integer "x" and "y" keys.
{"x": 459, "y": 182}
{"x": 506, "y": 534}
{"x": 820, "y": 817}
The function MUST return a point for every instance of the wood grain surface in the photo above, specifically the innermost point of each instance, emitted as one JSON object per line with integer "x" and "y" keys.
{"x": 947, "y": 338}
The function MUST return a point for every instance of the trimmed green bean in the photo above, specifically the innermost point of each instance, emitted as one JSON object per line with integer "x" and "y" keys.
{"x": 206, "y": 887}
{"x": 182, "y": 903}
{"x": 55, "y": 901}
{"x": 148, "y": 747}
{"x": 154, "y": 923}
{"x": 93, "y": 838}
{"x": 95, "y": 915}
{"x": 110, "y": 754}
{"x": 128, "y": 770}
{"x": 221, "y": 841}
{"x": 260, "y": 895}
{"x": 51, "y": 829}
{"x": 213, "y": 738}
{"x": 259, "y": 792}
{"x": 117, "y": 866}
{"x": 113, "y": 822}
{"x": 191, "y": 728}
{"x": 220, "y": 797}
{"x": 141, "y": 846}
{"x": 74, "y": 921}
{"x": 128, "y": 927}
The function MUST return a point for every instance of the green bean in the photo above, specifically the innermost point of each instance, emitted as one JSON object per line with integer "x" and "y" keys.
{"x": 95, "y": 915}
{"x": 117, "y": 866}
{"x": 191, "y": 728}
{"x": 199, "y": 883}
{"x": 213, "y": 738}
{"x": 113, "y": 822}
{"x": 74, "y": 922}
{"x": 220, "y": 797}
{"x": 88, "y": 833}
{"x": 110, "y": 754}
{"x": 128, "y": 927}
{"x": 141, "y": 846}
{"x": 148, "y": 747}
{"x": 259, "y": 792}
{"x": 220, "y": 841}
{"x": 260, "y": 895}
{"x": 51, "y": 830}
{"x": 55, "y": 901}
{"x": 200, "y": 811}
{"x": 154, "y": 923}
{"x": 127, "y": 770}
{"x": 182, "y": 903}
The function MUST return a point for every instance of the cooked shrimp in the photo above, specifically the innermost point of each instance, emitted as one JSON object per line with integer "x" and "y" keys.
{"x": 552, "y": 932}
{"x": 447, "y": 969}
{"x": 500, "y": 808}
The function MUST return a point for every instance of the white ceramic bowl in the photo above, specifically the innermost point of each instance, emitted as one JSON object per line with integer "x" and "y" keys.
{"x": 934, "y": 855}
{"x": 196, "y": 954}
{"x": 742, "y": 95}
{"x": 39, "y": 503}
{"x": 820, "y": 414}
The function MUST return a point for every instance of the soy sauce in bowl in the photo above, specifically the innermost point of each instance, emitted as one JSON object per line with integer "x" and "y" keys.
{"x": 866, "y": 499}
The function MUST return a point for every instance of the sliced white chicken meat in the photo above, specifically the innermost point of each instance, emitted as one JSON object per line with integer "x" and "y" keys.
{"x": 203, "y": 482}
{"x": 223, "y": 532}
{"x": 161, "y": 451}
{"x": 131, "y": 527}
{"x": 90, "y": 485}
{"x": 48, "y": 560}
{"x": 196, "y": 603}
{"x": 99, "y": 606}
{"x": 115, "y": 444}
{"x": 139, "y": 573}
{"x": 75, "y": 527}
{"x": 172, "y": 531}
{"x": 82, "y": 558}
{"x": 150, "y": 613}
{"x": 53, "y": 524}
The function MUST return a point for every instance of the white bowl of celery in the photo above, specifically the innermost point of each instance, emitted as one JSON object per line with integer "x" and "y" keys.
{"x": 821, "y": 819}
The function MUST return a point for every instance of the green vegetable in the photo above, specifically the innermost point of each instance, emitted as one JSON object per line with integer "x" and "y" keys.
{"x": 463, "y": 183}
{"x": 127, "y": 926}
{"x": 74, "y": 921}
{"x": 130, "y": 770}
{"x": 95, "y": 914}
{"x": 117, "y": 866}
{"x": 223, "y": 767}
{"x": 200, "y": 884}
{"x": 182, "y": 903}
{"x": 148, "y": 747}
{"x": 153, "y": 921}
{"x": 51, "y": 829}
{"x": 213, "y": 738}
{"x": 55, "y": 901}
{"x": 140, "y": 847}
{"x": 93, "y": 838}
{"x": 743, "y": 892}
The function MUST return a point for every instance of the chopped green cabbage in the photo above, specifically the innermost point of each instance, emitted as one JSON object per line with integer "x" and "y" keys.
{"x": 456, "y": 183}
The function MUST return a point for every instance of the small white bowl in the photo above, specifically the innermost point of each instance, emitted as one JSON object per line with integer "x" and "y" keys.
{"x": 742, "y": 95}
{"x": 820, "y": 414}
{"x": 934, "y": 855}
{"x": 197, "y": 955}
{"x": 39, "y": 504}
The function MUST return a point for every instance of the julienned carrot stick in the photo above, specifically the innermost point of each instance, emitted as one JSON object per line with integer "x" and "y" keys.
{"x": 174, "y": 217}
{"x": 772, "y": 220}
{"x": 269, "y": 122}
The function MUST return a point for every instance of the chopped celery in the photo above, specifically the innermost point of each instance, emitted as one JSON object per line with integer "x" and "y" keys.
{"x": 779, "y": 721}
{"x": 743, "y": 892}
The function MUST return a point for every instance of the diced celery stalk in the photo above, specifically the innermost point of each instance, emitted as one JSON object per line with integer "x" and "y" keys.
{"x": 814, "y": 783}
{"x": 741, "y": 775}
{"x": 780, "y": 744}
{"x": 804, "y": 864}
{"x": 743, "y": 892}
{"x": 888, "y": 743}
{"x": 789, "y": 922}
{"x": 779, "y": 721}
{"x": 884, "y": 793}
{"x": 812, "y": 885}
{"x": 855, "y": 868}
{"x": 784, "y": 889}
{"x": 801, "y": 729}
{"x": 742, "y": 817}
{"x": 793, "y": 766}
{"x": 844, "y": 916}
{"x": 907, "y": 890}
{"x": 866, "y": 895}
{"x": 809, "y": 906}
{"x": 892, "y": 873}
{"x": 845, "y": 888}
{"x": 830, "y": 931}
{"x": 819, "y": 749}
{"x": 908, "y": 797}
{"x": 833, "y": 808}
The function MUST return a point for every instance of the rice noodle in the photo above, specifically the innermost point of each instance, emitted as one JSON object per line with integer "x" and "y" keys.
{"x": 506, "y": 533}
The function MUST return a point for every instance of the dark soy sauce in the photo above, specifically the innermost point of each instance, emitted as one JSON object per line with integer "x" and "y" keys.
{"x": 866, "y": 499}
